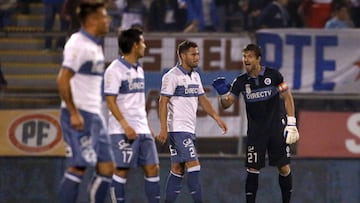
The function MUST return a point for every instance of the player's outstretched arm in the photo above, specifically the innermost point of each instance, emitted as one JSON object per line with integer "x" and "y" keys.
{"x": 209, "y": 109}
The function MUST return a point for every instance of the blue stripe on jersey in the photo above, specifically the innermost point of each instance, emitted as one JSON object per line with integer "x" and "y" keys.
{"x": 261, "y": 94}
{"x": 191, "y": 91}
{"x": 136, "y": 85}
{"x": 88, "y": 68}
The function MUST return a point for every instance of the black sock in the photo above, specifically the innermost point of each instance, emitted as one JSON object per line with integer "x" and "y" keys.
{"x": 251, "y": 186}
{"x": 286, "y": 187}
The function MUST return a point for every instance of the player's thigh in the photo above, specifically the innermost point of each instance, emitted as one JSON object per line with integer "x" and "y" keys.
{"x": 147, "y": 150}
{"x": 278, "y": 151}
{"x": 255, "y": 151}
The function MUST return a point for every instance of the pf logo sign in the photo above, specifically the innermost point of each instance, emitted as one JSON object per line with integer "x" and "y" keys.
{"x": 35, "y": 133}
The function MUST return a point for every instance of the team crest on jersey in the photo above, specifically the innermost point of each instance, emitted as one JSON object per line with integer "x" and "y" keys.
{"x": 267, "y": 81}
{"x": 247, "y": 88}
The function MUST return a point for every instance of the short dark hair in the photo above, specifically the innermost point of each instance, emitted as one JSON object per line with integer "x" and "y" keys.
{"x": 253, "y": 47}
{"x": 185, "y": 46}
{"x": 87, "y": 8}
{"x": 128, "y": 38}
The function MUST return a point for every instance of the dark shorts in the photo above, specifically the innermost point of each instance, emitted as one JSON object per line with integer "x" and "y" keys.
{"x": 182, "y": 147}
{"x": 273, "y": 143}
{"x": 88, "y": 146}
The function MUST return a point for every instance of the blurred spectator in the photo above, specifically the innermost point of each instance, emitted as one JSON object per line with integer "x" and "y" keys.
{"x": 201, "y": 15}
{"x": 222, "y": 8}
{"x": 53, "y": 8}
{"x": 355, "y": 12}
{"x": 7, "y": 9}
{"x": 166, "y": 16}
{"x": 134, "y": 14}
{"x": 114, "y": 10}
{"x": 70, "y": 15}
{"x": 341, "y": 17}
{"x": 249, "y": 10}
{"x": 274, "y": 15}
{"x": 296, "y": 19}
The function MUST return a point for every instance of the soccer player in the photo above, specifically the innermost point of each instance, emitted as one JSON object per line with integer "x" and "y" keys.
{"x": 262, "y": 89}
{"x": 83, "y": 125}
{"x": 181, "y": 92}
{"x": 132, "y": 138}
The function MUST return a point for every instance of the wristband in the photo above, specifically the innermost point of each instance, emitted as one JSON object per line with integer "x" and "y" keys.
{"x": 291, "y": 120}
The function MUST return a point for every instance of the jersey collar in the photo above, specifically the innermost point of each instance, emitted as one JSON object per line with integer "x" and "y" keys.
{"x": 98, "y": 41}
{"x": 183, "y": 69}
{"x": 127, "y": 64}
{"x": 261, "y": 73}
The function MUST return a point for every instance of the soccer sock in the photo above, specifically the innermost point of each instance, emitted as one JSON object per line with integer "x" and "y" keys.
{"x": 251, "y": 186}
{"x": 98, "y": 188}
{"x": 194, "y": 183}
{"x": 152, "y": 189}
{"x": 285, "y": 183}
{"x": 117, "y": 190}
{"x": 173, "y": 187}
{"x": 69, "y": 187}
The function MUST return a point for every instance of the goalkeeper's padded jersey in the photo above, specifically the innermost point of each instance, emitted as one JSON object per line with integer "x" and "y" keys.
{"x": 184, "y": 89}
{"x": 126, "y": 81}
{"x": 265, "y": 109}
{"x": 83, "y": 54}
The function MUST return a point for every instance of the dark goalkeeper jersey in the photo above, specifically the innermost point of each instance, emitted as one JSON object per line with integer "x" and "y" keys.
{"x": 264, "y": 107}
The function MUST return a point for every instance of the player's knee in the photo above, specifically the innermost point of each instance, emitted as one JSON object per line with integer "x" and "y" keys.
{"x": 106, "y": 169}
{"x": 284, "y": 170}
{"x": 177, "y": 169}
{"x": 80, "y": 171}
{"x": 151, "y": 170}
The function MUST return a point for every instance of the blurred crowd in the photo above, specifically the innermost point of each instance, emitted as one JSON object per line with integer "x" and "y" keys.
{"x": 197, "y": 15}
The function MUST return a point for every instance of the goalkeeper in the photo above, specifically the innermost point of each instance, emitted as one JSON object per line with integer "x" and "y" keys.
{"x": 269, "y": 129}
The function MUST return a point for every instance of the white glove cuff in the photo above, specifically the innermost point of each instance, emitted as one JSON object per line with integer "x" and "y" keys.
{"x": 291, "y": 120}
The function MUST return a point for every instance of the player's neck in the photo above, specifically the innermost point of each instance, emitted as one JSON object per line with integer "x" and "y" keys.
{"x": 255, "y": 72}
{"x": 131, "y": 58}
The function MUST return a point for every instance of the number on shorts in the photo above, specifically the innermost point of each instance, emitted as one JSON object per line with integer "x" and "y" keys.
{"x": 252, "y": 157}
{"x": 127, "y": 155}
{"x": 192, "y": 152}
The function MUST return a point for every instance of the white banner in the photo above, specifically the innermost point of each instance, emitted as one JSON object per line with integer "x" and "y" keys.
{"x": 314, "y": 60}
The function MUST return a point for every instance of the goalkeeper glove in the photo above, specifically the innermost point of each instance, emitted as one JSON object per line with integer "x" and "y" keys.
{"x": 291, "y": 133}
{"x": 221, "y": 86}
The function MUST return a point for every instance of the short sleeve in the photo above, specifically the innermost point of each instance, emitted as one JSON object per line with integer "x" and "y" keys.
{"x": 111, "y": 82}
{"x": 168, "y": 84}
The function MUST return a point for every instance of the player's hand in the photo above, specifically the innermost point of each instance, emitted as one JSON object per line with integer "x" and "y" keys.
{"x": 77, "y": 121}
{"x": 130, "y": 133}
{"x": 221, "y": 86}
{"x": 221, "y": 124}
{"x": 162, "y": 137}
{"x": 291, "y": 132}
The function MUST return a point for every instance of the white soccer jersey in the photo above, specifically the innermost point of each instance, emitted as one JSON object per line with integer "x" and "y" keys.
{"x": 127, "y": 82}
{"x": 184, "y": 90}
{"x": 83, "y": 54}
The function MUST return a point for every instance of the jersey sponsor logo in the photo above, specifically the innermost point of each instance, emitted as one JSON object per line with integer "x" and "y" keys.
{"x": 260, "y": 94}
{"x": 190, "y": 91}
{"x": 132, "y": 86}
{"x": 35, "y": 133}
